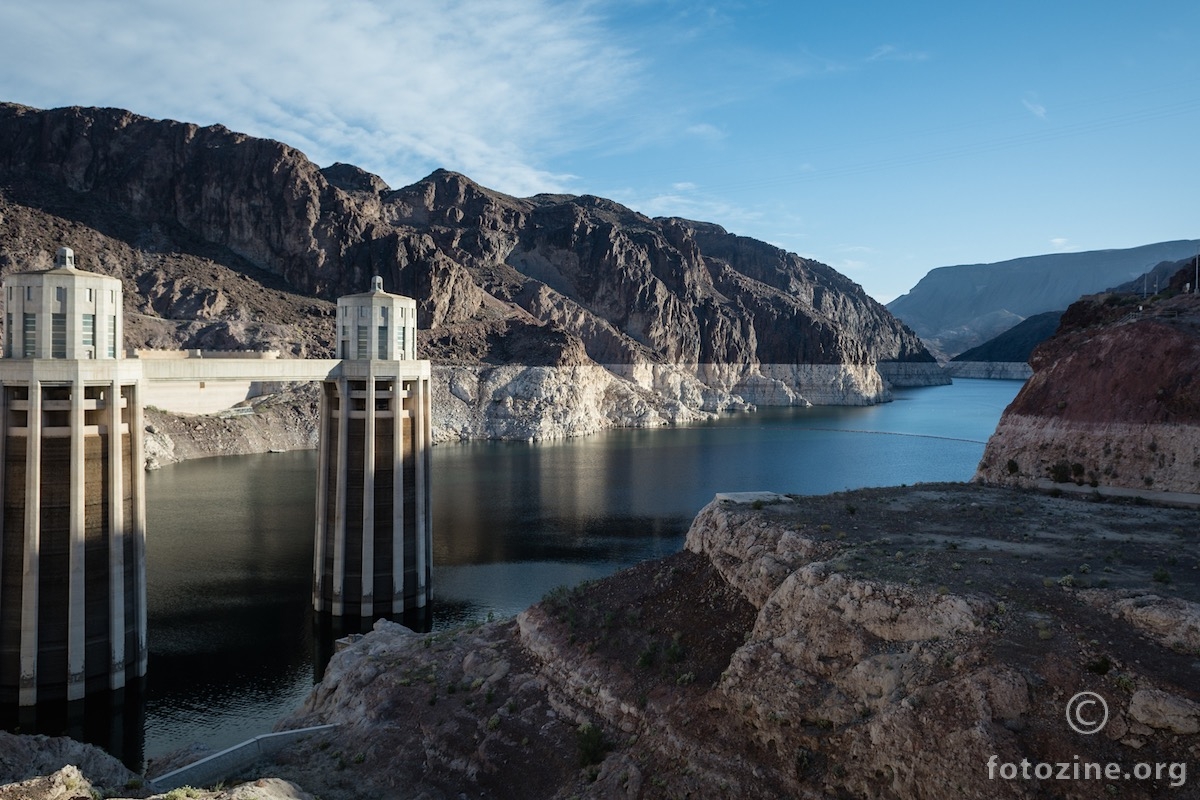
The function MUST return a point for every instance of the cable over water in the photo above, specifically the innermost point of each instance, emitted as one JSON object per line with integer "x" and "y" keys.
{"x": 898, "y": 433}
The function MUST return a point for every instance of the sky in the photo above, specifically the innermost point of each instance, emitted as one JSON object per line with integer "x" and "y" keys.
{"x": 882, "y": 138}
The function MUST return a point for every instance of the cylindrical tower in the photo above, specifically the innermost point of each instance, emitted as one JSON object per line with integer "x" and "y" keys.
{"x": 72, "y": 531}
{"x": 373, "y": 529}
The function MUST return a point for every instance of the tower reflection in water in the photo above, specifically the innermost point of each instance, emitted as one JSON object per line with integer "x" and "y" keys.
{"x": 113, "y": 720}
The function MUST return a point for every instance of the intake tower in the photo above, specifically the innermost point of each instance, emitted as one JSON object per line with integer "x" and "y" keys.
{"x": 73, "y": 529}
{"x": 373, "y": 552}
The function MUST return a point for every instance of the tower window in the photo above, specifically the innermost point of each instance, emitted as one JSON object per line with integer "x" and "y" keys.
{"x": 383, "y": 342}
{"x": 89, "y": 329}
{"x": 112, "y": 336}
{"x": 362, "y": 342}
{"x": 58, "y": 335}
{"x": 60, "y": 294}
{"x": 29, "y": 331}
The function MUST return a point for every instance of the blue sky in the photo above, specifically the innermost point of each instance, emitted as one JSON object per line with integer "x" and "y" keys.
{"x": 882, "y": 138}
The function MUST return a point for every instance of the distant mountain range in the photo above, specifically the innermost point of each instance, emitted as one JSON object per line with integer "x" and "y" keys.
{"x": 956, "y": 308}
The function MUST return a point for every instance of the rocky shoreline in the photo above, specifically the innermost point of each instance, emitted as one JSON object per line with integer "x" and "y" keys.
{"x": 878, "y": 643}
{"x": 535, "y": 403}
{"x": 1112, "y": 402}
{"x": 989, "y": 370}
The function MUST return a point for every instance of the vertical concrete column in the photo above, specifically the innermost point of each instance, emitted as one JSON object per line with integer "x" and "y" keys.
{"x": 76, "y": 610}
{"x": 421, "y": 405}
{"x": 339, "y": 520}
{"x": 27, "y": 692}
{"x": 398, "y": 413}
{"x": 322, "y": 500}
{"x": 4, "y": 432}
{"x": 116, "y": 536}
{"x": 138, "y": 451}
{"x": 368, "y": 512}
{"x": 427, "y": 497}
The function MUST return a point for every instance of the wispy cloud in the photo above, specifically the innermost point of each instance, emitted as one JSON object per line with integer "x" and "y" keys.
{"x": 485, "y": 88}
{"x": 685, "y": 201}
{"x": 706, "y": 131}
{"x": 1030, "y": 101}
{"x": 1062, "y": 245}
{"x": 889, "y": 52}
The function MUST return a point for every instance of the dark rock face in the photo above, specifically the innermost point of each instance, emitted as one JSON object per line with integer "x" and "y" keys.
{"x": 244, "y": 240}
{"x": 1017, "y": 343}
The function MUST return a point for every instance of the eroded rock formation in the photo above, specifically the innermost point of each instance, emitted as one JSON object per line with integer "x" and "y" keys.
{"x": 237, "y": 242}
{"x": 879, "y": 644}
{"x": 1114, "y": 400}
{"x": 882, "y": 643}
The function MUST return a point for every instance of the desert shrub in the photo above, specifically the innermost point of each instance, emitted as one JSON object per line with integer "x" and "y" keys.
{"x": 593, "y": 746}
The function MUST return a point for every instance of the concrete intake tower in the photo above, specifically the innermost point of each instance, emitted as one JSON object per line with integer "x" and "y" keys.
{"x": 373, "y": 549}
{"x": 72, "y": 473}
{"x": 73, "y": 527}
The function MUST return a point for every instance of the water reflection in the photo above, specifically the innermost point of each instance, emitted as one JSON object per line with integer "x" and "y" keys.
{"x": 233, "y": 641}
{"x": 114, "y": 720}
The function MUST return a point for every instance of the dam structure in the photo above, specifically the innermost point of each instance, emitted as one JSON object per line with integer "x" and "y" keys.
{"x": 72, "y": 475}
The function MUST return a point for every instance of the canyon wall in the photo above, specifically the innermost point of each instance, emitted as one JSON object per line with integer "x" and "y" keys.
{"x": 226, "y": 241}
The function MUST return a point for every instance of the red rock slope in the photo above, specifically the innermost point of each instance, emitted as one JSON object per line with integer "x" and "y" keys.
{"x": 1114, "y": 400}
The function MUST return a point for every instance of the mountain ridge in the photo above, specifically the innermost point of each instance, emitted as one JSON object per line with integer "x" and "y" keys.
{"x": 218, "y": 229}
{"x": 955, "y": 308}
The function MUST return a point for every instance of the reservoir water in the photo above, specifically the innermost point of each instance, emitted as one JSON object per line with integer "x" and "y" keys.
{"x": 229, "y": 552}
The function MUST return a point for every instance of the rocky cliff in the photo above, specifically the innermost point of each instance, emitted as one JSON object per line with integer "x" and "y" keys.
{"x": 1113, "y": 401}
{"x": 224, "y": 240}
{"x": 957, "y": 308}
{"x": 799, "y": 647}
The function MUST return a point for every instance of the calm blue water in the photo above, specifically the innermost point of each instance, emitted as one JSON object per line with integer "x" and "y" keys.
{"x": 229, "y": 552}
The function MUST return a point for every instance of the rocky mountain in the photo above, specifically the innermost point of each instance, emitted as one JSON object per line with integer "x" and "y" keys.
{"x": 1016, "y": 343}
{"x": 225, "y": 240}
{"x": 1007, "y": 355}
{"x": 1113, "y": 401}
{"x": 956, "y": 308}
{"x": 1158, "y": 278}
